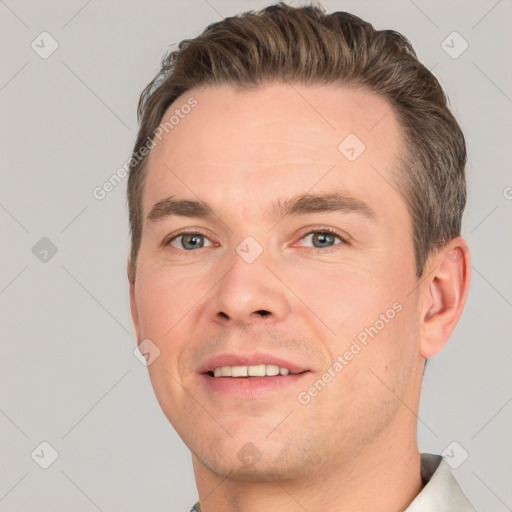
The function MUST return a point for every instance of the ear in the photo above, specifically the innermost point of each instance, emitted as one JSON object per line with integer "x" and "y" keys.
{"x": 133, "y": 303}
{"x": 444, "y": 293}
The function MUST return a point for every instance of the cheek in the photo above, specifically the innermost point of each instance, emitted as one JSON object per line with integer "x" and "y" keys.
{"x": 164, "y": 305}
{"x": 345, "y": 299}
{"x": 366, "y": 311}
{"x": 163, "y": 301}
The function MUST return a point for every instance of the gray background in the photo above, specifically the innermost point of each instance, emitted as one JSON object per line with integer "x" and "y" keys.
{"x": 68, "y": 375}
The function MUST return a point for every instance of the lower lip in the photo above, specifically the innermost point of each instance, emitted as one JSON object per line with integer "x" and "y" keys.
{"x": 251, "y": 386}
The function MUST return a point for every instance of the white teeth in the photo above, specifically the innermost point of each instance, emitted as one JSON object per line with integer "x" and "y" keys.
{"x": 239, "y": 371}
{"x": 260, "y": 370}
{"x": 272, "y": 369}
{"x": 256, "y": 371}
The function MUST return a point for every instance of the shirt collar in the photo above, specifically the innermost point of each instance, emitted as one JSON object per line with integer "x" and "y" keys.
{"x": 441, "y": 492}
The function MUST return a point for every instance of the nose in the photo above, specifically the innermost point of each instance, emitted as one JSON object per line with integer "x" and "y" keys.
{"x": 249, "y": 293}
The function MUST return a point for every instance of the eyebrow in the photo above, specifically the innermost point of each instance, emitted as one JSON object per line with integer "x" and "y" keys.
{"x": 298, "y": 205}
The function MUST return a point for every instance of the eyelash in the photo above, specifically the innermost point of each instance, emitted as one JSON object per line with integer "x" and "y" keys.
{"x": 325, "y": 230}
{"x": 328, "y": 231}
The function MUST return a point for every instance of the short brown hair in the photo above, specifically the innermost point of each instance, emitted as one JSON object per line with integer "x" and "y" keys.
{"x": 305, "y": 45}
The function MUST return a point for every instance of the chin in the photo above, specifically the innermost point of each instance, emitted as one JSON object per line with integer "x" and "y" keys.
{"x": 234, "y": 469}
{"x": 248, "y": 464}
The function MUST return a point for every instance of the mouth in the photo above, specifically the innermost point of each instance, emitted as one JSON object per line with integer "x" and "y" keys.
{"x": 251, "y": 372}
{"x": 260, "y": 375}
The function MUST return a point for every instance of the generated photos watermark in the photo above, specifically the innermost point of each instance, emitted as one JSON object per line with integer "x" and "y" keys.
{"x": 101, "y": 192}
{"x": 356, "y": 346}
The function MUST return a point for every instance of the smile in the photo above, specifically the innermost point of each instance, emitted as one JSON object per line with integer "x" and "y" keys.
{"x": 259, "y": 370}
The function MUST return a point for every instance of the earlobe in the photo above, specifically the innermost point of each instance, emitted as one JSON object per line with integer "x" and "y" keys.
{"x": 444, "y": 295}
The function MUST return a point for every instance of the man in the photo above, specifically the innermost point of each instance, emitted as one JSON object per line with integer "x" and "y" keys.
{"x": 295, "y": 207}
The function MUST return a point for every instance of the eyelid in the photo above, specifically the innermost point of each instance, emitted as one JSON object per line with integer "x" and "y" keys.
{"x": 326, "y": 229}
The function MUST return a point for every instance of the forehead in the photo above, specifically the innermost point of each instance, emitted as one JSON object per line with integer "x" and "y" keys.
{"x": 277, "y": 138}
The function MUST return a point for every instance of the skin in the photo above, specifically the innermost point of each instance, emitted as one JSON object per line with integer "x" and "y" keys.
{"x": 353, "y": 446}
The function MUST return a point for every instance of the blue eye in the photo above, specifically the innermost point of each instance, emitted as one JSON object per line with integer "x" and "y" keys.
{"x": 323, "y": 239}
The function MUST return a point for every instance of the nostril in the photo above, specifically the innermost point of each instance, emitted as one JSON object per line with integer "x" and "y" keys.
{"x": 263, "y": 312}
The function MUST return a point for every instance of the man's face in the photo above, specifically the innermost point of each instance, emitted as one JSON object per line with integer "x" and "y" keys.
{"x": 262, "y": 285}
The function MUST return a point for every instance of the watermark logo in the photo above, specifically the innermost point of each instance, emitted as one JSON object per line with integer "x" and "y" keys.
{"x": 455, "y": 454}
{"x": 44, "y": 250}
{"x": 44, "y": 455}
{"x": 249, "y": 454}
{"x": 351, "y": 147}
{"x": 454, "y": 45}
{"x": 44, "y": 45}
{"x": 249, "y": 250}
{"x": 146, "y": 352}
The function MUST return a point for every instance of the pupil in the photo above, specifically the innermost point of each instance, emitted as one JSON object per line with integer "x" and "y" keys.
{"x": 323, "y": 238}
{"x": 194, "y": 240}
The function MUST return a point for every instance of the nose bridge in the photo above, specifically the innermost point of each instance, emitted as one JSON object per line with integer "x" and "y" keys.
{"x": 249, "y": 291}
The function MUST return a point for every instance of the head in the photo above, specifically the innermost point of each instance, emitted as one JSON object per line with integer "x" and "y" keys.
{"x": 255, "y": 137}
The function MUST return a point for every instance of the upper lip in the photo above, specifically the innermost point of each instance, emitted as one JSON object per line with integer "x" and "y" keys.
{"x": 251, "y": 359}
